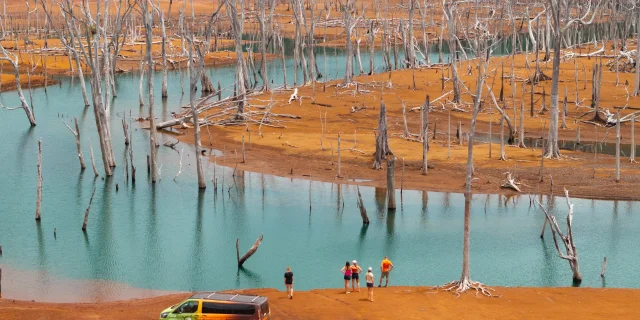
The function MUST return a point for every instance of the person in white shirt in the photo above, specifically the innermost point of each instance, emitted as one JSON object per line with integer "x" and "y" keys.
{"x": 370, "y": 278}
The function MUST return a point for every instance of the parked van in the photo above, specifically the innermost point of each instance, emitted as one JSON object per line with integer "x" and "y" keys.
{"x": 212, "y": 305}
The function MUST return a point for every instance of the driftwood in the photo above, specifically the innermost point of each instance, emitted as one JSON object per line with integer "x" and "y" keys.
{"x": 363, "y": 210}
{"x": 86, "y": 213}
{"x": 510, "y": 183}
{"x": 170, "y": 144}
{"x": 571, "y": 254}
{"x": 249, "y": 253}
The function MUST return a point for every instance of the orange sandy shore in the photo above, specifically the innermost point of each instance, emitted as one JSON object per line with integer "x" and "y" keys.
{"x": 390, "y": 303}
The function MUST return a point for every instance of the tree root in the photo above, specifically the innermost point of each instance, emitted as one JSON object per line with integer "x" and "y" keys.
{"x": 461, "y": 286}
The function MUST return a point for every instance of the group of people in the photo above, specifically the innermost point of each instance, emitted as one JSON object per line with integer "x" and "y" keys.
{"x": 351, "y": 273}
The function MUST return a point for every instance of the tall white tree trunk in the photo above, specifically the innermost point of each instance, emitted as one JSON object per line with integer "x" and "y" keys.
{"x": 148, "y": 22}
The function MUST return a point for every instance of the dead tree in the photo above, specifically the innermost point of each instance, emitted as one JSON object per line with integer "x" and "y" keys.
{"x": 339, "y": 176}
{"x": 521, "y": 130}
{"x": 249, "y": 253}
{"x": 195, "y": 74}
{"x": 160, "y": 14}
{"x": 563, "y": 125}
{"x": 76, "y": 133}
{"x": 553, "y": 151}
{"x": 571, "y": 254}
{"x": 363, "y": 210}
{"x": 86, "y": 212}
{"x": 425, "y": 135}
{"x": 148, "y": 23}
{"x": 93, "y": 57}
{"x": 382, "y": 140}
{"x": 503, "y": 156}
{"x": 617, "y": 147}
{"x": 39, "y": 190}
{"x": 448, "y": 9}
{"x": 349, "y": 24}
{"x": 237, "y": 27}
{"x": 13, "y": 59}
{"x": 481, "y": 46}
{"x": 632, "y": 153}
{"x": 391, "y": 181}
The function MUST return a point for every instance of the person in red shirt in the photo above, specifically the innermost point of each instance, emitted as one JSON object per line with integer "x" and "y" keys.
{"x": 385, "y": 267}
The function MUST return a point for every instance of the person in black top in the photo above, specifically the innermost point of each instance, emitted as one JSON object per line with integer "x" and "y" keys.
{"x": 288, "y": 282}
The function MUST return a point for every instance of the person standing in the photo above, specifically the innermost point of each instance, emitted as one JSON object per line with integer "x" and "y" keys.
{"x": 370, "y": 279}
{"x": 385, "y": 267}
{"x": 355, "y": 276}
{"x": 288, "y": 282}
{"x": 346, "y": 271}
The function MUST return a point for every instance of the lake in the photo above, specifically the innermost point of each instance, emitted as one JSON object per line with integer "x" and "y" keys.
{"x": 172, "y": 237}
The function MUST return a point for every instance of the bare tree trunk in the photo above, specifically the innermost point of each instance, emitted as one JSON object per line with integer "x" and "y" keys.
{"x": 382, "y": 141}
{"x": 391, "y": 183}
{"x": 521, "y": 130}
{"x": 503, "y": 156}
{"x": 636, "y": 84}
{"x": 425, "y": 135}
{"x": 617, "y": 146}
{"x": 86, "y": 212}
{"x": 76, "y": 134}
{"x": 39, "y": 190}
{"x": 140, "y": 96}
{"x": 195, "y": 74}
{"x": 363, "y": 210}
{"x": 93, "y": 161}
{"x": 632, "y": 156}
{"x": 237, "y": 26}
{"x": 148, "y": 16}
{"x": 7, "y": 56}
{"x": 339, "y": 176}
{"x": 552, "y": 150}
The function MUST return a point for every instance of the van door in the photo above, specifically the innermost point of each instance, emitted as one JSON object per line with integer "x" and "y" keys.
{"x": 187, "y": 311}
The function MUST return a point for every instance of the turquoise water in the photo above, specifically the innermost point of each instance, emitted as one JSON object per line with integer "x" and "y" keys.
{"x": 172, "y": 237}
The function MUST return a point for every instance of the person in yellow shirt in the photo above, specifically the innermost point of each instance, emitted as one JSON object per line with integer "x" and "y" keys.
{"x": 385, "y": 267}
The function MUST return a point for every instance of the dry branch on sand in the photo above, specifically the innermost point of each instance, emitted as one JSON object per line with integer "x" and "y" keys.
{"x": 510, "y": 183}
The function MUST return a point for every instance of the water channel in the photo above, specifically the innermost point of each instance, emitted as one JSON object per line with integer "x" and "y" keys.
{"x": 172, "y": 237}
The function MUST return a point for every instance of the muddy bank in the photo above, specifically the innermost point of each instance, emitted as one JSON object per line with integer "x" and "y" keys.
{"x": 390, "y": 303}
{"x": 301, "y": 148}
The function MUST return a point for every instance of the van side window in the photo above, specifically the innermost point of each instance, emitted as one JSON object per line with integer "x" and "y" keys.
{"x": 227, "y": 308}
{"x": 188, "y": 307}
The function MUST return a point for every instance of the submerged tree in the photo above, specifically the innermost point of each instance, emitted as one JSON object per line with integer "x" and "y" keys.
{"x": 194, "y": 75}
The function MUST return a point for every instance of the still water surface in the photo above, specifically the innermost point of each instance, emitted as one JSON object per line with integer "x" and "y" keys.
{"x": 172, "y": 237}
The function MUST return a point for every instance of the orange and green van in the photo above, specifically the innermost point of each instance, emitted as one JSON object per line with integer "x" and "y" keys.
{"x": 213, "y": 305}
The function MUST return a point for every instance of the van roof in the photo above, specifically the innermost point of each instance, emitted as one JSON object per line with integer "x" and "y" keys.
{"x": 243, "y": 298}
